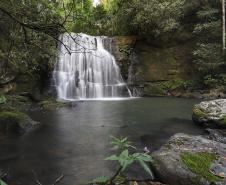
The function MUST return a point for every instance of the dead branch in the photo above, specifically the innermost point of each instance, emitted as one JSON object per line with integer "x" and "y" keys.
{"x": 58, "y": 179}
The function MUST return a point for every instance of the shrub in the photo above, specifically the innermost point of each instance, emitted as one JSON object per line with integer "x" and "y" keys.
{"x": 124, "y": 159}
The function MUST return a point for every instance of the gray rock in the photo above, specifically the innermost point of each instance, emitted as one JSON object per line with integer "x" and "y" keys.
{"x": 210, "y": 113}
{"x": 219, "y": 167}
{"x": 170, "y": 167}
{"x": 217, "y": 135}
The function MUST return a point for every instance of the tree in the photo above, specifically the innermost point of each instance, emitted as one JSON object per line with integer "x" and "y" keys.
{"x": 30, "y": 34}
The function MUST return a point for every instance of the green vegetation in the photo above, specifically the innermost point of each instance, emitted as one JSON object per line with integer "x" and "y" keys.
{"x": 199, "y": 163}
{"x": 124, "y": 158}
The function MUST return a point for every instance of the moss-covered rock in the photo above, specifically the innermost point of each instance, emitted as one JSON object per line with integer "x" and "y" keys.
{"x": 210, "y": 113}
{"x": 188, "y": 160}
{"x": 52, "y": 104}
{"x": 15, "y": 122}
{"x": 199, "y": 113}
{"x": 15, "y": 103}
{"x": 154, "y": 89}
{"x": 165, "y": 88}
{"x": 200, "y": 163}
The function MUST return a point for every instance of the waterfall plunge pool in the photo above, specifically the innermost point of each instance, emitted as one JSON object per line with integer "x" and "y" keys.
{"x": 75, "y": 141}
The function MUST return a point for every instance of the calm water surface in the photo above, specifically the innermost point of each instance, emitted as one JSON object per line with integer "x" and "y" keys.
{"x": 74, "y": 141}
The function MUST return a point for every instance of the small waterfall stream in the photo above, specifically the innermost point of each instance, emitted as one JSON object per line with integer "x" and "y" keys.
{"x": 86, "y": 70}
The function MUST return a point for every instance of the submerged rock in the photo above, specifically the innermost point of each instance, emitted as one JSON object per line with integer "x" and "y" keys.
{"x": 210, "y": 113}
{"x": 190, "y": 160}
{"x": 52, "y": 104}
{"x": 15, "y": 122}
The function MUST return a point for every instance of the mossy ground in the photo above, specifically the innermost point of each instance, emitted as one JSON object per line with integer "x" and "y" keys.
{"x": 199, "y": 163}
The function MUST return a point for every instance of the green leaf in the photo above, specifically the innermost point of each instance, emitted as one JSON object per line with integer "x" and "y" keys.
{"x": 124, "y": 154}
{"x": 125, "y": 159}
{"x": 146, "y": 168}
{"x": 144, "y": 157}
{"x": 2, "y": 182}
{"x": 121, "y": 143}
{"x": 112, "y": 158}
{"x": 101, "y": 179}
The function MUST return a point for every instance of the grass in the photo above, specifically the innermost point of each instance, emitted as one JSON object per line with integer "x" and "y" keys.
{"x": 199, "y": 163}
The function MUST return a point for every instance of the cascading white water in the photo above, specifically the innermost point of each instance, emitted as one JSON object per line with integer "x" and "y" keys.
{"x": 86, "y": 70}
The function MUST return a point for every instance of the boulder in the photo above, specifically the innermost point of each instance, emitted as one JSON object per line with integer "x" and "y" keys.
{"x": 210, "y": 113}
{"x": 190, "y": 160}
{"x": 15, "y": 122}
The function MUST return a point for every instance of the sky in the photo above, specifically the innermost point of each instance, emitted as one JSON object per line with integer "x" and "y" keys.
{"x": 95, "y": 2}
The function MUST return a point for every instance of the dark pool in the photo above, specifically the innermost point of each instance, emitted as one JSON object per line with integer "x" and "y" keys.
{"x": 74, "y": 141}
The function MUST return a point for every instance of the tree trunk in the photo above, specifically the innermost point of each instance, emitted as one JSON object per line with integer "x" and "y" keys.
{"x": 223, "y": 25}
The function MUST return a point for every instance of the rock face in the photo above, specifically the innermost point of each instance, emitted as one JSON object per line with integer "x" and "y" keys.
{"x": 187, "y": 160}
{"x": 121, "y": 48}
{"x": 15, "y": 122}
{"x": 210, "y": 113}
{"x": 150, "y": 70}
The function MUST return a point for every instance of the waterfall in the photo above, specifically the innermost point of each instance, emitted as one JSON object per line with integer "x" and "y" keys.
{"x": 86, "y": 70}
